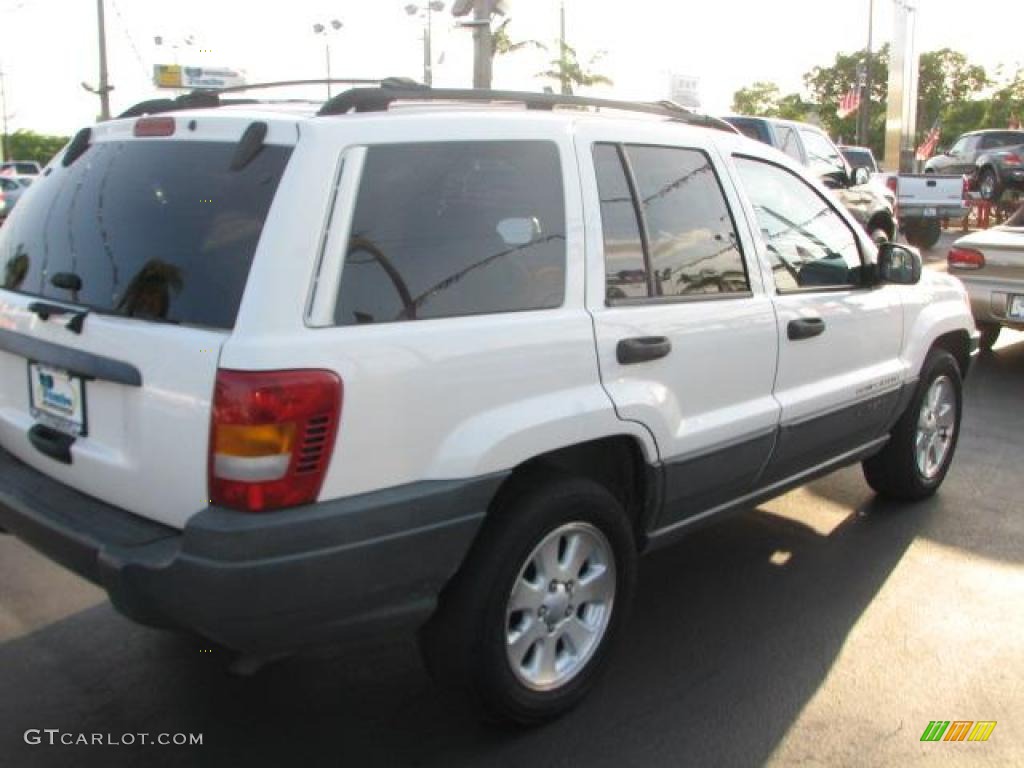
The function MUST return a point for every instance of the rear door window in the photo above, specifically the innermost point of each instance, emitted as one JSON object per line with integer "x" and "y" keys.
{"x": 676, "y": 238}
{"x": 161, "y": 230}
{"x": 448, "y": 229}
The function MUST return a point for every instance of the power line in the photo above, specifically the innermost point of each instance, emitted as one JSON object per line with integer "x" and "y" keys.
{"x": 131, "y": 42}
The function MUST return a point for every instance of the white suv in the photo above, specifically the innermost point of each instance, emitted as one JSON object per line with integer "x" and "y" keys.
{"x": 430, "y": 359}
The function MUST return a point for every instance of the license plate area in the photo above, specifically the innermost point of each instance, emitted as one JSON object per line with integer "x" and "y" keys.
{"x": 1015, "y": 308}
{"x": 56, "y": 398}
{"x": 930, "y": 213}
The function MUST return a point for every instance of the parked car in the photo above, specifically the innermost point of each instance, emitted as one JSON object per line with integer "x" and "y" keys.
{"x": 993, "y": 160}
{"x": 990, "y": 263}
{"x": 299, "y": 376}
{"x": 20, "y": 168}
{"x": 860, "y": 157}
{"x": 808, "y": 145}
{"x": 11, "y": 190}
{"x": 924, "y": 201}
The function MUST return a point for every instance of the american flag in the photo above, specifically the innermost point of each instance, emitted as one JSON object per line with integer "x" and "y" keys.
{"x": 931, "y": 140}
{"x": 849, "y": 103}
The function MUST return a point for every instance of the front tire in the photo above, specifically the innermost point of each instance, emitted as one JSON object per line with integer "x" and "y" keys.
{"x": 917, "y": 457}
{"x": 526, "y": 626}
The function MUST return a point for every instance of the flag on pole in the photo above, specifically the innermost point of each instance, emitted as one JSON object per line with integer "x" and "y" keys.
{"x": 931, "y": 140}
{"x": 849, "y": 103}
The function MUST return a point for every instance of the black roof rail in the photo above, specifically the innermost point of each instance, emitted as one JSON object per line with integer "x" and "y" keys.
{"x": 381, "y": 98}
{"x": 202, "y": 98}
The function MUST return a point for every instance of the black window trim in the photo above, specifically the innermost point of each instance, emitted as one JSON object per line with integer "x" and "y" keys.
{"x": 652, "y": 287}
{"x": 856, "y": 239}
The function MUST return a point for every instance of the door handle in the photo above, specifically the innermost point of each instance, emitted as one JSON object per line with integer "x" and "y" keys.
{"x": 642, "y": 349}
{"x": 805, "y": 328}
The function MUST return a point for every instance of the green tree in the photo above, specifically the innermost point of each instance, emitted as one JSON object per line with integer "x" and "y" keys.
{"x": 946, "y": 79}
{"x": 827, "y": 85}
{"x": 761, "y": 99}
{"x": 29, "y": 145}
{"x": 567, "y": 68}
{"x": 1007, "y": 102}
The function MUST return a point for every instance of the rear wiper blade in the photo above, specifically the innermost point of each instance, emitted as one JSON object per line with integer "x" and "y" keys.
{"x": 44, "y": 310}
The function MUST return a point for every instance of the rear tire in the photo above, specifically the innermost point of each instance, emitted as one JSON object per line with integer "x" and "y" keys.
{"x": 923, "y": 233}
{"x": 920, "y": 450}
{"x": 989, "y": 335}
{"x": 525, "y": 627}
{"x": 989, "y": 186}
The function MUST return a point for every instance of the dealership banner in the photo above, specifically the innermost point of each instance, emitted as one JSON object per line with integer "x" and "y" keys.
{"x": 177, "y": 76}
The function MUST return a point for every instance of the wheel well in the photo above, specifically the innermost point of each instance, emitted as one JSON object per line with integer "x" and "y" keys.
{"x": 617, "y": 463}
{"x": 958, "y": 344}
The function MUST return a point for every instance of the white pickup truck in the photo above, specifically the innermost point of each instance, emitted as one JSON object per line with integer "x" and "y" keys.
{"x": 923, "y": 200}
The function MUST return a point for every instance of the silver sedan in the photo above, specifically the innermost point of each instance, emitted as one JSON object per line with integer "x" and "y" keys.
{"x": 991, "y": 265}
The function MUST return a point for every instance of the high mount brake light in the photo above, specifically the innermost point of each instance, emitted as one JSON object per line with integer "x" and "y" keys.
{"x": 154, "y": 126}
{"x": 271, "y": 437}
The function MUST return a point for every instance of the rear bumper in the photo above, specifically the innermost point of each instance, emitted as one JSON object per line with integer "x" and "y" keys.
{"x": 357, "y": 566}
{"x": 989, "y": 299}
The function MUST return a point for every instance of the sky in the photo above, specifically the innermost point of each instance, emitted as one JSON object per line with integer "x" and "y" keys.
{"x": 49, "y": 47}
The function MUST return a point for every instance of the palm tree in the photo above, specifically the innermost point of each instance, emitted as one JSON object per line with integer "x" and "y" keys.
{"x": 568, "y": 72}
{"x": 501, "y": 42}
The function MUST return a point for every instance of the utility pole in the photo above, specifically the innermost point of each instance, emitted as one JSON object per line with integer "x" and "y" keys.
{"x": 482, "y": 44}
{"x": 562, "y": 53}
{"x": 864, "y": 115}
{"x": 5, "y": 149}
{"x": 104, "y": 87}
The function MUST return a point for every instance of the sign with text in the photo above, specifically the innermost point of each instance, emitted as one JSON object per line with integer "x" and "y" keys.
{"x": 177, "y": 76}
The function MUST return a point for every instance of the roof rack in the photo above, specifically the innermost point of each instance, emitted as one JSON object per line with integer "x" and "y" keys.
{"x": 204, "y": 98}
{"x": 381, "y": 98}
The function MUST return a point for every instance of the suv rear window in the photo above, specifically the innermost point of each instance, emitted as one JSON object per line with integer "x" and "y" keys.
{"x": 161, "y": 230}
{"x": 448, "y": 229}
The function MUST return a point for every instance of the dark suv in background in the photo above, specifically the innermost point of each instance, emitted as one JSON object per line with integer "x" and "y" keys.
{"x": 811, "y": 147}
{"x": 992, "y": 159}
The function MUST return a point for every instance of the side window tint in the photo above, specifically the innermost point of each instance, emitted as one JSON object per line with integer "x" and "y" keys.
{"x": 624, "y": 263}
{"x": 692, "y": 239}
{"x": 809, "y": 244}
{"x": 447, "y": 229}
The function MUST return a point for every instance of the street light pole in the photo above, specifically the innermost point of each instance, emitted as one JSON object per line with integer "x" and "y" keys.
{"x": 322, "y": 29}
{"x": 4, "y": 146}
{"x": 562, "y": 58}
{"x": 864, "y": 114}
{"x": 104, "y": 86}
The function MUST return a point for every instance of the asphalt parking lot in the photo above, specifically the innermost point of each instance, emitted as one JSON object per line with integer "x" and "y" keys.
{"x": 824, "y": 628}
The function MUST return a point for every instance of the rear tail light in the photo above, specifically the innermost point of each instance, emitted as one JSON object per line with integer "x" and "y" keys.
{"x": 1012, "y": 158}
{"x": 965, "y": 191}
{"x": 965, "y": 258}
{"x": 271, "y": 437}
{"x": 891, "y": 183}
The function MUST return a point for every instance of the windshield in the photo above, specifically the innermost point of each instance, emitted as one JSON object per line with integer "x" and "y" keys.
{"x": 162, "y": 230}
{"x": 821, "y": 153}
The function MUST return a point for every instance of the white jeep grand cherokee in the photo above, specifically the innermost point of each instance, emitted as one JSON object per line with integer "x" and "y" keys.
{"x": 428, "y": 359}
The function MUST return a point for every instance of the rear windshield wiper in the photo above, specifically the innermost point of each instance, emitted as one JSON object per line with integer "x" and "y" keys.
{"x": 44, "y": 310}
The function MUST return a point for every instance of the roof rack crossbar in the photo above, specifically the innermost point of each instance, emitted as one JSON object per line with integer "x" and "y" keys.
{"x": 381, "y": 98}
{"x": 203, "y": 98}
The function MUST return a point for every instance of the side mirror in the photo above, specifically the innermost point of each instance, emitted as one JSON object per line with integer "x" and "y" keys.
{"x": 835, "y": 180}
{"x": 860, "y": 176}
{"x": 898, "y": 264}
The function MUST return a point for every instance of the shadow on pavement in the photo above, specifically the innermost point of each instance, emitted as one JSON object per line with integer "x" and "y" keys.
{"x": 723, "y": 650}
